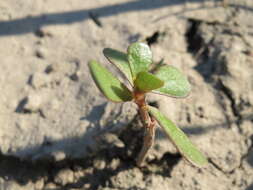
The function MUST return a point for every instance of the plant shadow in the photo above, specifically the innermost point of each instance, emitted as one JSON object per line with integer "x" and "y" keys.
{"x": 25, "y": 171}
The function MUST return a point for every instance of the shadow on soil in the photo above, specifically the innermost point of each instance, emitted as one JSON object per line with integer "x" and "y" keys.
{"x": 34, "y": 23}
{"x": 250, "y": 187}
{"x": 115, "y": 158}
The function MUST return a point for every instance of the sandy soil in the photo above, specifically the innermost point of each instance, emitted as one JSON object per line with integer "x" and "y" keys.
{"x": 58, "y": 132}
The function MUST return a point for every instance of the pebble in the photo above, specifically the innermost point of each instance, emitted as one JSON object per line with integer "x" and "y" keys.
{"x": 64, "y": 177}
{"x": 50, "y": 186}
{"x": 40, "y": 79}
{"x": 41, "y": 53}
{"x": 34, "y": 102}
{"x": 99, "y": 164}
{"x": 115, "y": 163}
{"x": 39, "y": 184}
{"x": 59, "y": 156}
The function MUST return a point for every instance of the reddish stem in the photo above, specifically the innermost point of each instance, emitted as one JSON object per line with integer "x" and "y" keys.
{"x": 149, "y": 124}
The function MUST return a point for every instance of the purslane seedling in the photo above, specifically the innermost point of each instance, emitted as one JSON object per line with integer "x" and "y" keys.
{"x": 166, "y": 80}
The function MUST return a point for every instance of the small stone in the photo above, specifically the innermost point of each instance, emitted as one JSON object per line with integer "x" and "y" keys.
{"x": 150, "y": 157}
{"x": 87, "y": 186}
{"x": 128, "y": 178}
{"x": 59, "y": 155}
{"x": 78, "y": 174}
{"x": 99, "y": 164}
{"x": 115, "y": 163}
{"x": 110, "y": 139}
{"x": 34, "y": 102}
{"x": 74, "y": 77}
{"x": 40, "y": 79}
{"x": 105, "y": 188}
{"x": 11, "y": 185}
{"x": 64, "y": 177}
{"x": 50, "y": 186}
{"x": 42, "y": 32}
{"x": 39, "y": 184}
{"x": 247, "y": 128}
{"x": 41, "y": 53}
{"x": 49, "y": 69}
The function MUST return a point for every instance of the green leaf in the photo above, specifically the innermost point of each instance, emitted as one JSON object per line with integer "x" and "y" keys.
{"x": 176, "y": 84}
{"x": 139, "y": 57}
{"x": 119, "y": 59}
{"x": 146, "y": 82}
{"x": 180, "y": 140}
{"x": 109, "y": 85}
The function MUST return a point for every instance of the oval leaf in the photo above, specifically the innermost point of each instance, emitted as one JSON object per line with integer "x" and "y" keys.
{"x": 139, "y": 57}
{"x": 175, "y": 83}
{"x": 109, "y": 85}
{"x": 119, "y": 59}
{"x": 180, "y": 140}
{"x": 146, "y": 82}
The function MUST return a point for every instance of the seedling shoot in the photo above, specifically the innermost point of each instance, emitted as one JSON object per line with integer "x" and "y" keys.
{"x": 166, "y": 80}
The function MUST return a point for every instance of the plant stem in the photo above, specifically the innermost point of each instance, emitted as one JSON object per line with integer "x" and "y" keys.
{"x": 149, "y": 124}
{"x": 147, "y": 144}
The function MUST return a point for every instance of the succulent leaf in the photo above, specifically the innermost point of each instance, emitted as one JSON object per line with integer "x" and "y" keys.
{"x": 146, "y": 82}
{"x": 109, "y": 85}
{"x": 139, "y": 57}
{"x": 119, "y": 59}
{"x": 179, "y": 139}
{"x": 175, "y": 83}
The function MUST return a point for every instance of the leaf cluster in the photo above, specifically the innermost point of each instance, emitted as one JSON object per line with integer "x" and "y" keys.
{"x": 166, "y": 80}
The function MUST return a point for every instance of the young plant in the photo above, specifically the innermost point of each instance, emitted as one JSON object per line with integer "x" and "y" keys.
{"x": 166, "y": 80}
